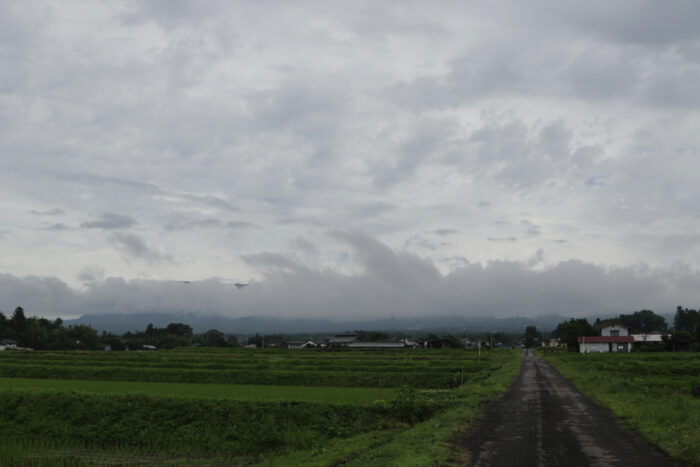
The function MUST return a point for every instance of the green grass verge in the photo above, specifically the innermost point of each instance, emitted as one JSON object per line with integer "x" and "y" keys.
{"x": 655, "y": 394}
{"x": 323, "y": 394}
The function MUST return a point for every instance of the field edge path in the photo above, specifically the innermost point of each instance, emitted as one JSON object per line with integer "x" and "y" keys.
{"x": 543, "y": 420}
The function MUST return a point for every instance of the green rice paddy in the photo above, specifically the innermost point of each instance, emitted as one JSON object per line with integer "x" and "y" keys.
{"x": 240, "y": 406}
{"x": 239, "y": 392}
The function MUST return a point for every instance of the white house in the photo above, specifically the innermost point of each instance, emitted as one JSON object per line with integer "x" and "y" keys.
{"x": 614, "y": 331}
{"x": 612, "y": 339}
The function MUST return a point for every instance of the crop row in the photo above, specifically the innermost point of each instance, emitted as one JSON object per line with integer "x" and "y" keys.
{"x": 316, "y": 358}
{"x": 245, "y": 366}
{"x": 423, "y": 379}
{"x": 265, "y": 357}
{"x": 239, "y": 392}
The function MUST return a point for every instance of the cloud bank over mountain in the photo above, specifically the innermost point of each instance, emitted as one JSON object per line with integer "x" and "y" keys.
{"x": 386, "y": 283}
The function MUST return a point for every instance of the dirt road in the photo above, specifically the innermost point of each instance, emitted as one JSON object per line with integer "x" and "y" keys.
{"x": 544, "y": 421}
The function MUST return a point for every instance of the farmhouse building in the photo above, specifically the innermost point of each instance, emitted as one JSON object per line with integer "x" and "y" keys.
{"x": 441, "y": 343}
{"x": 384, "y": 345}
{"x": 273, "y": 343}
{"x": 612, "y": 339}
{"x": 300, "y": 344}
{"x": 343, "y": 339}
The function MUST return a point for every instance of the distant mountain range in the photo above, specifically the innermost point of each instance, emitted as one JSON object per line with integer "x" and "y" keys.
{"x": 120, "y": 323}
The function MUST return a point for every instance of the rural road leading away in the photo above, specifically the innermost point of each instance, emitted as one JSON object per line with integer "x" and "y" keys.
{"x": 544, "y": 421}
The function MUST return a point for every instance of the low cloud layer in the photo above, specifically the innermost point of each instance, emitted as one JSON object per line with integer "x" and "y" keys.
{"x": 387, "y": 283}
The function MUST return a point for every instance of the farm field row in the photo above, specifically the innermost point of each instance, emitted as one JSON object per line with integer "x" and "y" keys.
{"x": 656, "y": 394}
{"x": 273, "y": 424}
{"x": 263, "y": 359}
{"x": 292, "y": 368}
{"x": 240, "y": 392}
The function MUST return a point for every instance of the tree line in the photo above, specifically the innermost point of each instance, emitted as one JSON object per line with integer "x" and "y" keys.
{"x": 43, "y": 334}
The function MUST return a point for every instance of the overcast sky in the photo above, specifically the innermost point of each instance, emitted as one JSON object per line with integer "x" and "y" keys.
{"x": 349, "y": 159}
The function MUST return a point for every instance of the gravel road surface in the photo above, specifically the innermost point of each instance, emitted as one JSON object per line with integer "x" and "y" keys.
{"x": 544, "y": 421}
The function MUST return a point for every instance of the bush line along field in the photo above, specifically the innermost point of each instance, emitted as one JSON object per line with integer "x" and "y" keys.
{"x": 656, "y": 394}
{"x": 306, "y": 407}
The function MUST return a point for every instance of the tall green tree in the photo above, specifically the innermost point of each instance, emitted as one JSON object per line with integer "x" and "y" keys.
{"x": 214, "y": 338}
{"x": 4, "y": 323}
{"x": 644, "y": 321}
{"x": 532, "y": 336}
{"x": 686, "y": 320}
{"x": 35, "y": 335}
{"x": 178, "y": 329}
{"x": 84, "y": 337}
{"x": 18, "y": 322}
{"x": 569, "y": 332}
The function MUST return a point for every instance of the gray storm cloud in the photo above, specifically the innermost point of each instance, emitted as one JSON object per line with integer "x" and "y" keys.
{"x": 109, "y": 221}
{"x": 189, "y": 140}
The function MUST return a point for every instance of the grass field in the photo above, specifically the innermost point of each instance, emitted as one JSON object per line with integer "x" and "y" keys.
{"x": 304, "y": 408}
{"x": 656, "y": 394}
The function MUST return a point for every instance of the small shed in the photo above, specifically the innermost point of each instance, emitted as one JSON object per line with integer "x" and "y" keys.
{"x": 553, "y": 343}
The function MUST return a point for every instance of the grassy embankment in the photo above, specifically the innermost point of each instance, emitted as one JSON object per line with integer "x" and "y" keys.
{"x": 656, "y": 394}
{"x": 74, "y": 421}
